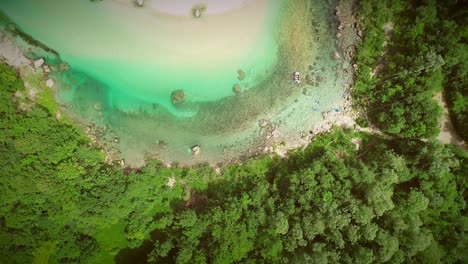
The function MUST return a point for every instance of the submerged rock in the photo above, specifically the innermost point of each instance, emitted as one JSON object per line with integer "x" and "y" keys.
{"x": 240, "y": 75}
{"x": 64, "y": 67}
{"x": 196, "y": 150}
{"x": 236, "y": 88}
{"x": 97, "y": 106}
{"x": 198, "y": 10}
{"x": 263, "y": 122}
{"x": 162, "y": 144}
{"x": 139, "y": 2}
{"x": 177, "y": 97}
{"x": 46, "y": 68}
{"x": 336, "y": 55}
{"x": 197, "y": 13}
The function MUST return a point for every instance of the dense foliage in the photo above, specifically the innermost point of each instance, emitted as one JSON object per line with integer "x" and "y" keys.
{"x": 329, "y": 203}
{"x": 397, "y": 201}
{"x": 410, "y": 51}
{"x": 58, "y": 197}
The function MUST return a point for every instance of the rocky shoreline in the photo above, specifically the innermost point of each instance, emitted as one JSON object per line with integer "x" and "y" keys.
{"x": 36, "y": 79}
{"x": 35, "y": 73}
{"x": 348, "y": 33}
{"x": 271, "y": 138}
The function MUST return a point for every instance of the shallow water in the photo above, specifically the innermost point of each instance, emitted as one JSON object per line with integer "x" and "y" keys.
{"x": 125, "y": 62}
{"x": 141, "y": 53}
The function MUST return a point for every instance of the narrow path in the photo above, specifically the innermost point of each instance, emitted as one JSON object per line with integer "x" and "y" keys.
{"x": 448, "y": 134}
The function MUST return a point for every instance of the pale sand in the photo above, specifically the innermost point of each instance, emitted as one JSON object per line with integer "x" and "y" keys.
{"x": 159, "y": 38}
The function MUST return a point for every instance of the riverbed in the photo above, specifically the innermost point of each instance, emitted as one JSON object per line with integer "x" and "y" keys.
{"x": 233, "y": 63}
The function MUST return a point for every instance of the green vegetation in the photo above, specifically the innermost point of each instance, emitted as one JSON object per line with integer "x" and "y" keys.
{"x": 389, "y": 201}
{"x": 329, "y": 203}
{"x": 410, "y": 51}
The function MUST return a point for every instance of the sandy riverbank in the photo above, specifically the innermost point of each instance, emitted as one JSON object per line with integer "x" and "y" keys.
{"x": 143, "y": 54}
{"x": 281, "y": 123}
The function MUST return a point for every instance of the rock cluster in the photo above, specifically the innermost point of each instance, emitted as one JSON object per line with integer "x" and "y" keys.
{"x": 268, "y": 129}
{"x": 106, "y": 141}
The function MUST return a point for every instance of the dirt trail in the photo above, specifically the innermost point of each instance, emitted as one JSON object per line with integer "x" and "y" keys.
{"x": 448, "y": 133}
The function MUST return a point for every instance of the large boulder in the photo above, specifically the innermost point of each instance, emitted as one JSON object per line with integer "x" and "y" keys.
{"x": 177, "y": 97}
{"x": 139, "y": 2}
{"x": 236, "y": 88}
{"x": 46, "y": 68}
{"x": 197, "y": 11}
{"x": 336, "y": 55}
{"x": 50, "y": 83}
{"x": 38, "y": 63}
{"x": 240, "y": 75}
{"x": 196, "y": 150}
{"x": 263, "y": 122}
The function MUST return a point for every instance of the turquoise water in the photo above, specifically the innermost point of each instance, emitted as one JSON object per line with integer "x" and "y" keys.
{"x": 126, "y": 61}
{"x": 142, "y": 55}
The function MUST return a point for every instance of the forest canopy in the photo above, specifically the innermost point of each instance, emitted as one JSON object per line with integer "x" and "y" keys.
{"x": 398, "y": 201}
{"x": 346, "y": 198}
{"x": 410, "y": 51}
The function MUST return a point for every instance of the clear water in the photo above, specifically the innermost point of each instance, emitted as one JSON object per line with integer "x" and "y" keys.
{"x": 145, "y": 54}
{"x": 126, "y": 61}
